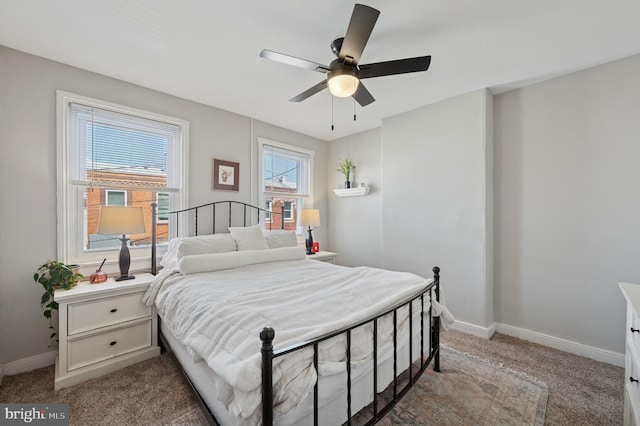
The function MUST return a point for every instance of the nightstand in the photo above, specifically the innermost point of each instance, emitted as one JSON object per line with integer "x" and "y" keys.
{"x": 323, "y": 256}
{"x": 102, "y": 328}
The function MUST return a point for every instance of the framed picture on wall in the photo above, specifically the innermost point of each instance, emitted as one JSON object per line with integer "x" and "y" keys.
{"x": 225, "y": 175}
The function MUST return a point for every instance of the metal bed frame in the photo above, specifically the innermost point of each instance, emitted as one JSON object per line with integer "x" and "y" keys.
{"x": 267, "y": 335}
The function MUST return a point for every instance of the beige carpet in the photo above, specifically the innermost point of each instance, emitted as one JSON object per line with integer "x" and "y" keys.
{"x": 468, "y": 391}
{"x": 581, "y": 391}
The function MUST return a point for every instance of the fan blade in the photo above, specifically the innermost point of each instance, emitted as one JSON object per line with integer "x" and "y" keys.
{"x": 292, "y": 60}
{"x": 362, "y": 22}
{"x": 363, "y": 96}
{"x": 400, "y": 66}
{"x": 310, "y": 92}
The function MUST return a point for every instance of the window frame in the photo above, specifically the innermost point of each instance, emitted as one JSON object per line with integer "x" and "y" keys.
{"x": 307, "y": 200}
{"x": 71, "y": 223}
{"x": 108, "y": 191}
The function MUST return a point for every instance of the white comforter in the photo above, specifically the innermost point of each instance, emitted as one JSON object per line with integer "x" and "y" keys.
{"x": 218, "y": 316}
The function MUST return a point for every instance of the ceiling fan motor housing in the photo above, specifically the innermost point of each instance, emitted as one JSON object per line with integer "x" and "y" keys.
{"x": 336, "y": 45}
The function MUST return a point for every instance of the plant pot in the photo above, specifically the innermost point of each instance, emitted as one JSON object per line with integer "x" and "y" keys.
{"x": 347, "y": 184}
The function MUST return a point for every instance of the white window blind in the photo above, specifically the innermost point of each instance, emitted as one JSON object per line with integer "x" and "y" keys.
{"x": 120, "y": 150}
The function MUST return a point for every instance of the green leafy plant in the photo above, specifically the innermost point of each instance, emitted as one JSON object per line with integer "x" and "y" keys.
{"x": 345, "y": 167}
{"x": 53, "y": 275}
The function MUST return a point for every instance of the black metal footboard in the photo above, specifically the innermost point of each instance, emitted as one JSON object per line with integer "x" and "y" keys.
{"x": 268, "y": 354}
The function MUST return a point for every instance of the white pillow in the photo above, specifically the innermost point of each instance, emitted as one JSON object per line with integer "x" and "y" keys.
{"x": 202, "y": 244}
{"x": 205, "y": 244}
{"x": 249, "y": 237}
{"x": 279, "y": 239}
{"x": 219, "y": 261}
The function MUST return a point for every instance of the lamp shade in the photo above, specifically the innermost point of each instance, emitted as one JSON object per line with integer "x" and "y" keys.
{"x": 121, "y": 220}
{"x": 343, "y": 85}
{"x": 310, "y": 217}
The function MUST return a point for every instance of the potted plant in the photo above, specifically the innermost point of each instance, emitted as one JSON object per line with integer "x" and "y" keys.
{"x": 53, "y": 275}
{"x": 345, "y": 167}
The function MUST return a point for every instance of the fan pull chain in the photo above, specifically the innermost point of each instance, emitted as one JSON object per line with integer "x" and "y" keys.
{"x": 354, "y": 109}
{"x": 332, "y": 113}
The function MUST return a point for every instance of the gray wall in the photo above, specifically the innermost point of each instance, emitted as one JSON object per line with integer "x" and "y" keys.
{"x": 567, "y": 210}
{"x": 355, "y": 223}
{"x": 429, "y": 196}
{"x": 434, "y": 202}
{"x": 552, "y": 204}
{"x": 28, "y": 87}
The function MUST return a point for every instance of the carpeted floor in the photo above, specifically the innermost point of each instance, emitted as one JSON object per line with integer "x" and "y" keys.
{"x": 470, "y": 390}
{"x": 580, "y": 391}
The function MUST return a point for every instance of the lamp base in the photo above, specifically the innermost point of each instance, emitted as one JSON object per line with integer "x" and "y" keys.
{"x": 308, "y": 243}
{"x": 125, "y": 277}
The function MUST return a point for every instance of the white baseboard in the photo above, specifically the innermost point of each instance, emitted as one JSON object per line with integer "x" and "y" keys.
{"x": 592, "y": 352}
{"x": 482, "y": 332}
{"x": 597, "y": 354}
{"x": 27, "y": 364}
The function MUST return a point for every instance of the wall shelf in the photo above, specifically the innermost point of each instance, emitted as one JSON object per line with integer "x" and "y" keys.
{"x": 352, "y": 192}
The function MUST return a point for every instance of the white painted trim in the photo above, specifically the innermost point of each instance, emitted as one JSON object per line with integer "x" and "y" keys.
{"x": 597, "y": 354}
{"x": 475, "y": 330}
{"x": 31, "y": 363}
{"x": 307, "y": 199}
{"x": 68, "y": 224}
{"x": 591, "y": 352}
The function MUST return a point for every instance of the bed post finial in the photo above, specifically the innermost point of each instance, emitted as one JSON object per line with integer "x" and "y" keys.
{"x": 267, "y": 335}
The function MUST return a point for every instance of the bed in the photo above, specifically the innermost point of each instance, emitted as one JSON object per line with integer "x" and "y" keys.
{"x": 266, "y": 336}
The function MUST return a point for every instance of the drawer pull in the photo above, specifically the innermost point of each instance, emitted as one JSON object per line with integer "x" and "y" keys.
{"x": 114, "y": 342}
{"x": 116, "y": 310}
{"x": 632, "y": 380}
{"x": 635, "y": 330}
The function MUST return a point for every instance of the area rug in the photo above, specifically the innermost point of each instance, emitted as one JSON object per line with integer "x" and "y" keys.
{"x": 471, "y": 391}
{"x": 468, "y": 391}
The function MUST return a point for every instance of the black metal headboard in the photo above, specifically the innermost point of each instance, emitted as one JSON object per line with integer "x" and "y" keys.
{"x": 248, "y": 212}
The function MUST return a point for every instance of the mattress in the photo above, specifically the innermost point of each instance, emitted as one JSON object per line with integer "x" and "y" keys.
{"x": 332, "y": 389}
{"x": 216, "y": 316}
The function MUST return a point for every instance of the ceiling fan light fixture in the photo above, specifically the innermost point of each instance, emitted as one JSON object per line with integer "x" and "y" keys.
{"x": 343, "y": 82}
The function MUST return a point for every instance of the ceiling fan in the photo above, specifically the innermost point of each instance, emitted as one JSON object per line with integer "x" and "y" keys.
{"x": 344, "y": 73}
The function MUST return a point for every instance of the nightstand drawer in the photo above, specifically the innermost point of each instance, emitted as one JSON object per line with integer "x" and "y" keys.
{"x": 98, "y": 347}
{"x": 98, "y": 313}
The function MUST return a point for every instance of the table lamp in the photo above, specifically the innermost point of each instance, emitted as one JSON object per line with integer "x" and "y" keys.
{"x": 310, "y": 217}
{"x": 115, "y": 220}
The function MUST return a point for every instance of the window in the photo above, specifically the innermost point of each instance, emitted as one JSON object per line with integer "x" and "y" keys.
{"x": 288, "y": 210}
{"x": 163, "y": 206}
{"x": 116, "y": 198}
{"x": 269, "y": 207}
{"x": 285, "y": 182}
{"x": 114, "y": 155}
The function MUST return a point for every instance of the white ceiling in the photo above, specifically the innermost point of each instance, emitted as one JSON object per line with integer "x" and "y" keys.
{"x": 208, "y": 51}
